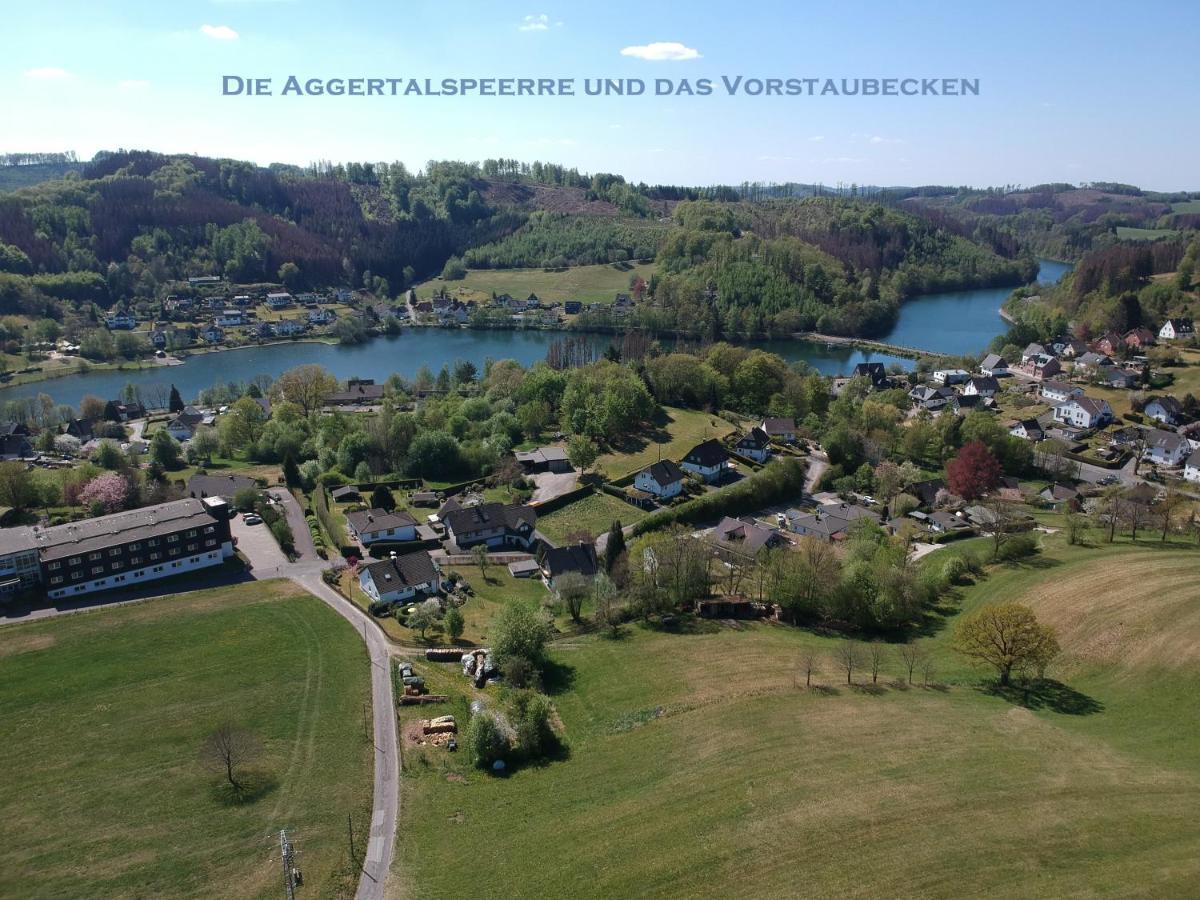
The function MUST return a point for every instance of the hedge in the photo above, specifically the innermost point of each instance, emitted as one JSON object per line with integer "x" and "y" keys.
{"x": 774, "y": 483}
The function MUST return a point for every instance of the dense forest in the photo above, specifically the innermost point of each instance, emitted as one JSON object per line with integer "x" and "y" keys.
{"x": 555, "y": 240}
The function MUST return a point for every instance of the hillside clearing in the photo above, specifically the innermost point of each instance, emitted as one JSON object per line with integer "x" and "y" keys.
{"x": 591, "y": 284}
{"x": 593, "y": 514}
{"x": 675, "y": 432}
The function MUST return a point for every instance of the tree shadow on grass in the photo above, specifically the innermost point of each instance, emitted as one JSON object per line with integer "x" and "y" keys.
{"x": 557, "y": 677}
{"x": 254, "y": 786}
{"x": 1050, "y": 694}
{"x": 873, "y": 690}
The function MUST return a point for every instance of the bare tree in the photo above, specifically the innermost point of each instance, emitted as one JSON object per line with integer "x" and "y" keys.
{"x": 229, "y": 750}
{"x": 912, "y": 656}
{"x": 875, "y": 658}
{"x": 1165, "y": 510}
{"x": 1076, "y": 528}
{"x": 928, "y": 670}
{"x": 1001, "y": 522}
{"x": 808, "y": 665}
{"x": 848, "y": 657}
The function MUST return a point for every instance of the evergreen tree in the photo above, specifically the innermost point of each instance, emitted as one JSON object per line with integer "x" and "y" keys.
{"x": 175, "y": 404}
{"x": 615, "y": 546}
{"x": 381, "y": 498}
{"x": 291, "y": 472}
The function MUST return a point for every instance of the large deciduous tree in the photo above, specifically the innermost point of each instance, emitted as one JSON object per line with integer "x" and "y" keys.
{"x": 1007, "y": 637}
{"x": 973, "y": 472}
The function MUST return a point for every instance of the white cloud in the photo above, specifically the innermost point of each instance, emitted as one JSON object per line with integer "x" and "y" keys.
{"x": 219, "y": 32}
{"x": 661, "y": 51}
{"x": 47, "y": 73}
{"x": 877, "y": 139}
{"x": 540, "y": 22}
{"x": 133, "y": 84}
{"x": 817, "y": 138}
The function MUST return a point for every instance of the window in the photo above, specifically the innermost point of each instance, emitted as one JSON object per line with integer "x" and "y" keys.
{"x": 115, "y": 551}
{"x": 135, "y": 546}
{"x": 192, "y": 533}
{"x": 94, "y": 556}
{"x": 174, "y": 551}
{"x": 173, "y": 539}
{"x": 97, "y": 570}
{"x": 192, "y": 548}
{"x": 209, "y": 529}
{"x": 211, "y": 542}
{"x": 74, "y": 561}
{"x": 153, "y": 542}
{"x": 135, "y": 560}
{"x": 54, "y": 565}
{"x": 116, "y": 565}
{"x": 57, "y": 579}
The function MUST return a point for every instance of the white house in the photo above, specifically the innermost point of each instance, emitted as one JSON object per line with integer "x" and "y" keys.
{"x": 214, "y": 334}
{"x": 180, "y": 429}
{"x": 493, "y": 524}
{"x": 1176, "y": 329}
{"x": 1191, "y": 469}
{"x": 950, "y": 376}
{"x": 372, "y": 525}
{"x": 400, "y": 578}
{"x": 981, "y": 386}
{"x": 1084, "y": 412}
{"x": 289, "y": 327}
{"x": 121, "y": 320}
{"x": 930, "y": 398}
{"x": 321, "y": 316}
{"x": 231, "y": 318}
{"x": 1027, "y": 429}
{"x": 780, "y": 429}
{"x": 707, "y": 460}
{"x": 1059, "y": 391}
{"x": 279, "y": 300}
{"x": 993, "y": 364}
{"x": 1167, "y": 410}
{"x": 754, "y": 445}
{"x": 1166, "y": 448}
{"x": 663, "y": 479}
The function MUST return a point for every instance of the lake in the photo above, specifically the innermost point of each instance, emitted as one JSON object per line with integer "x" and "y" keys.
{"x": 954, "y": 323}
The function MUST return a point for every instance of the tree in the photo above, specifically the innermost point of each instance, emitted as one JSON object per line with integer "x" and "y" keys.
{"x": 973, "y": 472}
{"x": 423, "y": 617}
{"x": 519, "y": 631}
{"x": 614, "y": 547}
{"x": 289, "y": 275}
{"x": 1007, "y": 637}
{"x": 246, "y": 499}
{"x": 808, "y": 666}
{"x": 230, "y": 750}
{"x": 999, "y": 522}
{"x": 479, "y": 555}
{"x": 1076, "y": 527}
{"x": 485, "y": 742}
{"x": 573, "y": 589}
{"x": 291, "y": 472}
{"x": 164, "y": 450}
{"x": 454, "y": 623}
{"x": 108, "y": 455}
{"x": 381, "y": 498}
{"x": 1165, "y": 510}
{"x": 604, "y": 597}
{"x": 107, "y": 492}
{"x": 308, "y": 386}
{"x": 204, "y": 444}
{"x": 175, "y": 404}
{"x": 848, "y": 657}
{"x": 91, "y": 408}
{"x": 582, "y": 452}
{"x": 17, "y": 489}
{"x": 912, "y": 656}
{"x": 875, "y": 656}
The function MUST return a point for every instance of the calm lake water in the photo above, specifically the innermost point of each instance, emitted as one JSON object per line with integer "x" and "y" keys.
{"x": 958, "y": 322}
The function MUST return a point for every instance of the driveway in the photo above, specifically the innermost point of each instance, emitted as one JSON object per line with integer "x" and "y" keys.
{"x": 305, "y": 549}
{"x": 258, "y": 545}
{"x": 553, "y": 484}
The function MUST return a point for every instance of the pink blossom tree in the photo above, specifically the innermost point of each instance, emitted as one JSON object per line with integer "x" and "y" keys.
{"x": 109, "y": 491}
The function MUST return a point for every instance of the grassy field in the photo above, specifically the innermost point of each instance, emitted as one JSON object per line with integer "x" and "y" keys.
{"x": 1186, "y": 206}
{"x": 591, "y": 284}
{"x": 1127, "y": 233}
{"x": 699, "y": 766}
{"x": 593, "y": 514}
{"x": 675, "y": 433}
{"x": 103, "y": 716}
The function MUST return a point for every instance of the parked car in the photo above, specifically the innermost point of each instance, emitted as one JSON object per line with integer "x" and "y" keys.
{"x": 253, "y": 520}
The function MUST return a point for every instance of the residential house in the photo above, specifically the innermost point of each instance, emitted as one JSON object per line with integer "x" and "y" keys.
{"x": 116, "y": 411}
{"x": 663, "y": 479}
{"x": 1191, "y": 468}
{"x": 122, "y": 321}
{"x": 830, "y": 522}
{"x": 754, "y": 445}
{"x": 181, "y": 429}
{"x": 369, "y": 526}
{"x": 279, "y": 300}
{"x": 1034, "y": 349}
{"x": 1060, "y": 495}
{"x": 14, "y": 445}
{"x": 544, "y": 459}
{"x": 400, "y": 577}
{"x": 1110, "y": 343}
{"x": 707, "y": 460}
{"x": 746, "y": 538}
{"x": 224, "y": 486}
{"x": 1058, "y": 391}
{"x": 1092, "y": 362}
{"x": 1068, "y": 347}
{"x": 1176, "y": 329}
{"x": 357, "y": 393}
{"x": 943, "y": 522}
{"x": 926, "y": 491}
{"x": 572, "y": 307}
{"x": 83, "y": 429}
{"x": 343, "y": 294}
{"x": 322, "y": 316}
{"x": 1027, "y": 429}
{"x": 579, "y": 558}
{"x": 993, "y": 364}
{"x": 347, "y": 493}
{"x": 1166, "y": 448}
{"x": 1119, "y": 378}
{"x": 875, "y": 373}
{"x": 981, "y": 386}
{"x": 290, "y": 327}
{"x": 780, "y": 429}
{"x": 950, "y": 376}
{"x": 493, "y": 524}
{"x": 264, "y": 331}
{"x": 930, "y": 398}
{"x": 1084, "y": 412}
{"x": 159, "y": 339}
{"x": 965, "y": 403}
{"x": 1041, "y": 365}
{"x": 1139, "y": 338}
{"x": 213, "y": 334}
{"x": 1166, "y": 410}
{"x": 231, "y": 318}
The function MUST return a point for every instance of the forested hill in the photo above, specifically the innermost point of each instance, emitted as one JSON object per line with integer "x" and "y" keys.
{"x": 131, "y": 226}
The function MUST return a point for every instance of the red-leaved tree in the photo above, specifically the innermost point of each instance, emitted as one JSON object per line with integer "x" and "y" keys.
{"x": 973, "y": 472}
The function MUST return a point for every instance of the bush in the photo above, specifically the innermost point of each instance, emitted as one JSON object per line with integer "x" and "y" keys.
{"x": 531, "y": 714}
{"x": 1018, "y": 546}
{"x": 484, "y": 739}
{"x": 955, "y": 570}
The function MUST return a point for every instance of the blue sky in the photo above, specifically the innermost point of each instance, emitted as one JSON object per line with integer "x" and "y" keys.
{"x": 1070, "y": 91}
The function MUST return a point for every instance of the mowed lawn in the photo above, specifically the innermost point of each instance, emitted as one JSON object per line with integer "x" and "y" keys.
{"x": 591, "y": 284}
{"x": 700, "y": 766}
{"x": 103, "y": 715}
{"x": 675, "y": 433}
{"x": 593, "y": 514}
